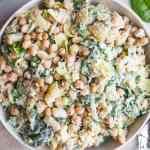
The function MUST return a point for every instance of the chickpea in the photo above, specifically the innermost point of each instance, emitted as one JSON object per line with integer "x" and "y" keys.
{"x": 27, "y": 37}
{"x": 79, "y": 110}
{"x": 120, "y": 92}
{"x": 45, "y": 36}
{"x": 83, "y": 52}
{"x": 59, "y": 102}
{"x": 56, "y": 60}
{"x": 42, "y": 55}
{"x": 33, "y": 35}
{"x": 40, "y": 82}
{"x": 53, "y": 48}
{"x": 47, "y": 64}
{"x": 41, "y": 106}
{"x": 134, "y": 29}
{"x": 68, "y": 4}
{"x": 57, "y": 76}
{"x": 56, "y": 30}
{"x": 27, "y": 75}
{"x": 9, "y": 41}
{"x": 14, "y": 111}
{"x": 140, "y": 33}
{"x": 76, "y": 39}
{"x": 62, "y": 52}
{"x": 26, "y": 44}
{"x": 76, "y": 120}
{"x": 39, "y": 30}
{"x": 121, "y": 139}
{"x": 24, "y": 28}
{"x": 79, "y": 84}
{"x": 13, "y": 55}
{"x": 126, "y": 20}
{"x": 49, "y": 79}
{"x": 93, "y": 88}
{"x": 130, "y": 41}
{"x": 12, "y": 76}
{"x": 45, "y": 43}
{"x": 2, "y": 62}
{"x": 117, "y": 20}
{"x": 142, "y": 41}
{"x": 22, "y": 21}
{"x": 85, "y": 91}
{"x": 48, "y": 112}
{"x": 65, "y": 85}
{"x": 114, "y": 132}
{"x": 43, "y": 89}
{"x": 71, "y": 111}
{"x": 39, "y": 36}
{"x": 83, "y": 78}
{"x": 7, "y": 69}
{"x": 36, "y": 12}
{"x": 33, "y": 50}
{"x": 50, "y": 18}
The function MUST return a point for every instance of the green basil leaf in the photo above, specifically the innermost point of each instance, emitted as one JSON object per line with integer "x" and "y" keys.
{"x": 142, "y": 9}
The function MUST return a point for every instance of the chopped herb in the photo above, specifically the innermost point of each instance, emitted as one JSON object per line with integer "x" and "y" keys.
{"x": 82, "y": 30}
{"x": 41, "y": 134}
{"x": 137, "y": 79}
{"x": 45, "y": 73}
{"x": 34, "y": 62}
{"x": 17, "y": 48}
{"x": 18, "y": 91}
{"x": 78, "y": 4}
{"x": 45, "y": 13}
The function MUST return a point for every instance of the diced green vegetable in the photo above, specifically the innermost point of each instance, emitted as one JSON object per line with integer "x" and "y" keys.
{"x": 35, "y": 60}
{"x": 66, "y": 101}
{"x": 45, "y": 73}
{"x": 41, "y": 134}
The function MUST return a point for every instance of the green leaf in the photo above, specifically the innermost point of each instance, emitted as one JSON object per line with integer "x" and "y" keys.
{"x": 142, "y": 9}
{"x": 82, "y": 30}
{"x": 17, "y": 48}
{"x": 18, "y": 91}
{"x": 78, "y": 4}
{"x": 147, "y": 2}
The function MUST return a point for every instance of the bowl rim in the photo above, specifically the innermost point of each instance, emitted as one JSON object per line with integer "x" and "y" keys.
{"x": 33, "y": 3}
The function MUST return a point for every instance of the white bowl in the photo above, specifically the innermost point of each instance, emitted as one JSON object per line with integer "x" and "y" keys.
{"x": 134, "y": 129}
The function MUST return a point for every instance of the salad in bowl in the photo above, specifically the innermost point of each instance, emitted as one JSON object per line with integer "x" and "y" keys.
{"x": 73, "y": 74}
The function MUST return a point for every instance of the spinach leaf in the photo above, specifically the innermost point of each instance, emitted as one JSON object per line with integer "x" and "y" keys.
{"x": 85, "y": 68}
{"x": 41, "y": 134}
{"x": 18, "y": 91}
{"x": 45, "y": 73}
{"x": 78, "y": 4}
{"x": 17, "y": 48}
{"x": 130, "y": 108}
{"x": 13, "y": 122}
{"x": 82, "y": 30}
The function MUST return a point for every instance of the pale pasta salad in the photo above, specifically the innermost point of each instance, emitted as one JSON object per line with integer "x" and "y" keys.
{"x": 73, "y": 74}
